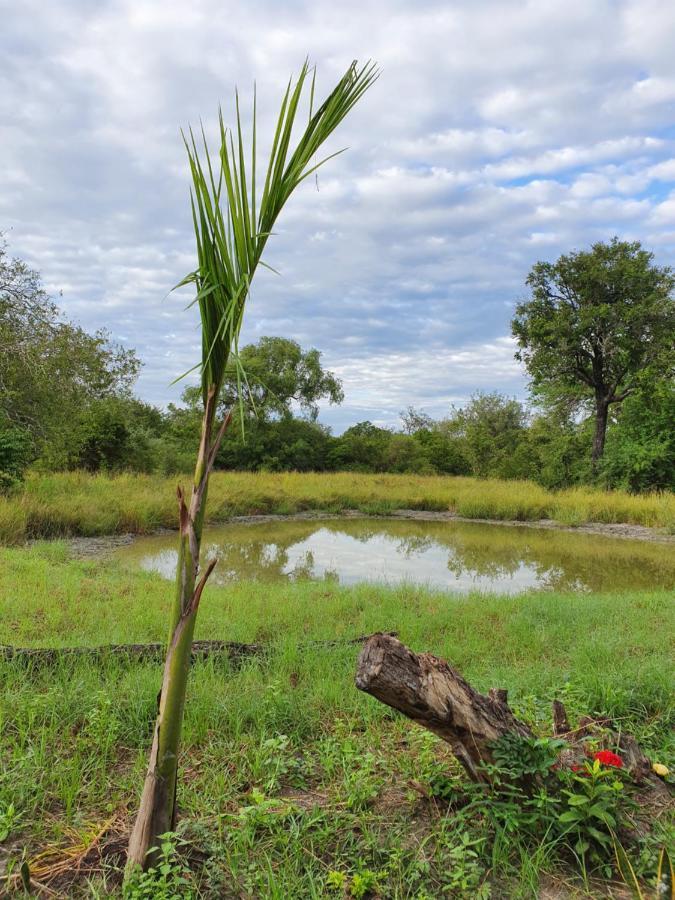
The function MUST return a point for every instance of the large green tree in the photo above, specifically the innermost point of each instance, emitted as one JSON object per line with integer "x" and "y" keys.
{"x": 51, "y": 370}
{"x": 279, "y": 402}
{"x": 280, "y": 375}
{"x": 596, "y": 323}
{"x": 272, "y": 378}
{"x": 491, "y": 429}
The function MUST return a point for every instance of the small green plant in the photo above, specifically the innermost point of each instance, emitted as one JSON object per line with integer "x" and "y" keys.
{"x": 261, "y": 814}
{"x": 464, "y": 872}
{"x": 168, "y": 879}
{"x": 336, "y": 881}
{"x": 262, "y": 810}
{"x": 593, "y": 806}
{"x": 519, "y": 756}
{"x": 9, "y": 819}
{"x": 363, "y": 883}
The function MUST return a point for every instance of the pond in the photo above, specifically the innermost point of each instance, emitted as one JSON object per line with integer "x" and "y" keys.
{"x": 455, "y": 556}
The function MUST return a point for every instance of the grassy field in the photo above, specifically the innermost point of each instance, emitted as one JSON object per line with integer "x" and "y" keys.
{"x": 294, "y": 784}
{"x": 77, "y": 503}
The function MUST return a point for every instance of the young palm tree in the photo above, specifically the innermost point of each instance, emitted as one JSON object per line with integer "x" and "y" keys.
{"x": 232, "y": 225}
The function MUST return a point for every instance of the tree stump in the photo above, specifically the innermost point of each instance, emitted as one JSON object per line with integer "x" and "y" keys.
{"x": 430, "y": 692}
{"x": 433, "y": 694}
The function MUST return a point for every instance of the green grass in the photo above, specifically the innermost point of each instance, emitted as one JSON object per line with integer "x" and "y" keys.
{"x": 76, "y": 503}
{"x": 289, "y": 773}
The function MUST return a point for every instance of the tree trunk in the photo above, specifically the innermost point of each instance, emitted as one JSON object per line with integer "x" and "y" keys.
{"x": 433, "y": 694}
{"x": 601, "y": 413}
{"x": 156, "y": 814}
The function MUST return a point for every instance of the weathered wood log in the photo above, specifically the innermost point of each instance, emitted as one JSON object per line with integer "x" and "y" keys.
{"x": 433, "y": 694}
{"x": 235, "y": 650}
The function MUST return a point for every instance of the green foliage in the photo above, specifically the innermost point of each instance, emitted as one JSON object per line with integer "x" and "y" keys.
{"x": 282, "y": 379}
{"x": 10, "y": 818}
{"x": 367, "y": 448}
{"x": 532, "y": 801}
{"x": 593, "y": 811}
{"x": 364, "y": 883}
{"x": 16, "y": 451}
{"x": 596, "y": 324}
{"x": 462, "y": 856}
{"x": 444, "y": 453}
{"x": 51, "y": 370}
{"x": 230, "y": 241}
{"x": 640, "y": 451}
{"x": 104, "y": 440}
{"x": 492, "y": 431}
{"x": 361, "y": 448}
{"x": 168, "y": 879}
{"x": 559, "y": 449}
{"x": 280, "y": 375}
{"x": 517, "y": 756}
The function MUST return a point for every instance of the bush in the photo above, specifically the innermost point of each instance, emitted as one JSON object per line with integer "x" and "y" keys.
{"x": 640, "y": 450}
{"x": 15, "y": 456}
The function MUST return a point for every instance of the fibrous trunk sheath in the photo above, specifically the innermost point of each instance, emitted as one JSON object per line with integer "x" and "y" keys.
{"x": 156, "y": 814}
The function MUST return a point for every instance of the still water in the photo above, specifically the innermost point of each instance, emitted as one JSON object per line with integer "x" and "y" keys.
{"x": 455, "y": 556}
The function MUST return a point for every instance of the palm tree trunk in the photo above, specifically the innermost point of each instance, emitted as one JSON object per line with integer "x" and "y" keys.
{"x": 157, "y": 811}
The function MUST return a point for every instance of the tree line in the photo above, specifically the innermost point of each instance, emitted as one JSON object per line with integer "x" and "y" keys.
{"x": 595, "y": 334}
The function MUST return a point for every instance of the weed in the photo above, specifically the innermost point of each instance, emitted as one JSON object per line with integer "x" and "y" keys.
{"x": 9, "y": 821}
{"x": 168, "y": 879}
{"x": 517, "y": 756}
{"x": 594, "y": 804}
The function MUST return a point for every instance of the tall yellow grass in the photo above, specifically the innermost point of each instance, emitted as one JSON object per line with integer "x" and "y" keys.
{"x": 76, "y": 503}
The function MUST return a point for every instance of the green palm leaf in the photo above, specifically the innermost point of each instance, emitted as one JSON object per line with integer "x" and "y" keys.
{"x": 232, "y": 224}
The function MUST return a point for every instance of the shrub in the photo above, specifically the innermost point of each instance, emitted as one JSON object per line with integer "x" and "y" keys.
{"x": 15, "y": 455}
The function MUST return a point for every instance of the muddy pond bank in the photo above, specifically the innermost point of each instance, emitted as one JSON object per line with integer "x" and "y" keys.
{"x": 102, "y": 545}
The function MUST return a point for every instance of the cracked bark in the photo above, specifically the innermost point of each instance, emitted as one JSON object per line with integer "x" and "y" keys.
{"x": 433, "y": 694}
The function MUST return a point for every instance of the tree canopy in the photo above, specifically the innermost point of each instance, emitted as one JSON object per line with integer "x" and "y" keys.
{"x": 596, "y": 322}
{"x": 51, "y": 370}
{"x": 279, "y": 376}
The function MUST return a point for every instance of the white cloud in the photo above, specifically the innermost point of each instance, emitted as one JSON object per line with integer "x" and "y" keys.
{"x": 498, "y": 134}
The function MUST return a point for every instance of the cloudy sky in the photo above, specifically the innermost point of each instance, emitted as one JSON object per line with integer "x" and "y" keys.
{"x": 499, "y": 133}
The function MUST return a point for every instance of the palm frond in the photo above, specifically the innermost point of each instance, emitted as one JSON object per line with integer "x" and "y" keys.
{"x": 232, "y": 224}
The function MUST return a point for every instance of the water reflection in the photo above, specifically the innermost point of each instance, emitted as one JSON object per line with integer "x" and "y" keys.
{"x": 456, "y": 556}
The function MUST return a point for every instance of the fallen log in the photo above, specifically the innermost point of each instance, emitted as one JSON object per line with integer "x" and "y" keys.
{"x": 235, "y": 650}
{"x": 433, "y": 694}
{"x": 430, "y": 692}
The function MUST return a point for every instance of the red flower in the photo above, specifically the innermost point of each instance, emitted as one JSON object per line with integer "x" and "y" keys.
{"x": 607, "y": 758}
